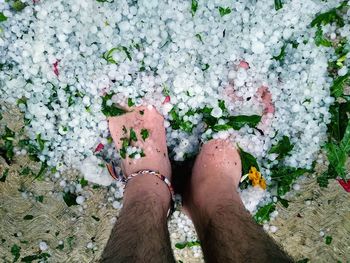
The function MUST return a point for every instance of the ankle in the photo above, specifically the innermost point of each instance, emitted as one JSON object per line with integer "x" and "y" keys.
{"x": 147, "y": 188}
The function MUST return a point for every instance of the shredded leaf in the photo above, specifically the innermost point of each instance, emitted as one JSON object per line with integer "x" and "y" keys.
{"x": 205, "y": 67}
{"x": 329, "y": 17}
{"x": 144, "y": 134}
{"x": 2, "y": 17}
{"x": 284, "y": 176}
{"x": 40, "y": 142}
{"x": 328, "y": 240}
{"x": 194, "y": 7}
{"x": 282, "y": 148}
{"x": 95, "y": 218}
{"x": 339, "y": 120}
{"x": 199, "y": 38}
{"x": 28, "y": 217}
{"x": 6, "y": 150}
{"x": 187, "y": 244}
{"x": 177, "y": 122}
{"x": 263, "y": 214}
{"x": 110, "y": 111}
{"x": 18, "y": 5}
{"x": 320, "y": 39}
{"x": 70, "y": 199}
{"x": 282, "y": 53}
{"x": 4, "y": 175}
{"x": 337, "y": 158}
{"x": 16, "y": 252}
{"x": 39, "y": 256}
{"x": 224, "y": 11}
{"x": 337, "y": 88}
{"x": 133, "y": 136}
{"x": 39, "y": 198}
{"x": 278, "y": 5}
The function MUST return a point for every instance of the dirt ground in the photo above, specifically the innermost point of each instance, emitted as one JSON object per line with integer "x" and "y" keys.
{"x": 26, "y": 219}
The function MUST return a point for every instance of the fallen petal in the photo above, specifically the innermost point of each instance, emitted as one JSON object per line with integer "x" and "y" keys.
{"x": 345, "y": 184}
{"x": 166, "y": 100}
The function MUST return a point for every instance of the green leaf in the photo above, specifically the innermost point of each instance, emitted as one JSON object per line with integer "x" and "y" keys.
{"x": 2, "y": 17}
{"x": 110, "y": 111}
{"x": 4, "y": 175}
{"x": 284, "y": 202}
{"x": 248, "y": 161}
{"x": 282, "y": 53}
{"x": 278, "y": 5}
{"x": 177, "y": 122}
{"x": 320, "y": 39}
{"x": 187, "y": 244}
{"x": 127, "y": 53}
{"x": 329, "y": 17}
{"x": 194, "y": 7}
{"x": 263, "y": 214}
{"x": 28, "y": 217}
{"x": 304, "y": 260}
{"x": 337, "y": 158}
{"x": 328, "y": 240}
{"x": 282, "y": 148}
{"x": 222, "y": 106}
{"x": 221, "y": 127}
{"x": 40, "y": 142}
{"x": 123, "y": 149}
{"x": 144, "y": 134}
{"x": 224, "y": 11}
{"x": 337, "y": 88}
{"x": 60, "y": 246}
{"x": 133, "y": 136}
{"x": 165, "y": 91}
{"x": 345, "y": 142}
{"x": 31, "y": 258}
{"x": 95, "y": 218}
{"x": 39, "y": 198}
{"x": 108, "y": 55}
{"x": 18, "y": 5}
{"x": 70, "y": 199}
{"x": 339, "y": 120}
{"x": 322, "y": 180}
{"x": 32, "y": 149}
{"x": 207, "y": 117}
{"x": 25, "y": 171}
{"x": 130, "y": 102}
{"x": 186, "y": 126}
{"x": 237, "y": 122}
{"x": 83, "y": 182}
{"x": 285, "y": 176}
{"x": 205, "y": 67}
{"x": 42, "y": 171}
{"x": 16, "y": 252}
{"x": 70, "y": 241}
{"x": 6, "y": 150}
{"x": 199, "y": 37}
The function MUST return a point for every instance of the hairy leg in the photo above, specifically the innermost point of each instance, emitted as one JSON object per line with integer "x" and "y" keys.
{"x": 141, "y": 233}
{"x": 226, "y": 230}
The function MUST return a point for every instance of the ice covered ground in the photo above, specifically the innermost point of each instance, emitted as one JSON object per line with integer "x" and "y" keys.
{"x": 65, "y": 62}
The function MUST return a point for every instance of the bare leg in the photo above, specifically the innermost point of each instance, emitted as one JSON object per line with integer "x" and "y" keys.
{"x": 226, "y": 230}
{"x": 141, "y": 233}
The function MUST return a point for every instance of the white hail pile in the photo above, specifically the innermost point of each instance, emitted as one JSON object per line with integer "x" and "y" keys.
{"x": 56, "y": 50}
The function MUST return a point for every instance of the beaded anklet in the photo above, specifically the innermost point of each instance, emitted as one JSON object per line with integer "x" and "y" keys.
{"x": 122, "y": 178}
